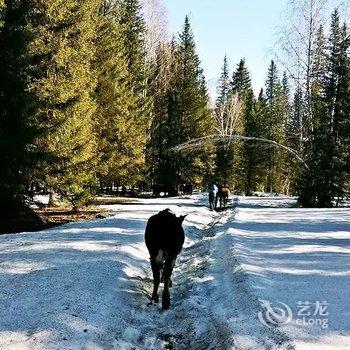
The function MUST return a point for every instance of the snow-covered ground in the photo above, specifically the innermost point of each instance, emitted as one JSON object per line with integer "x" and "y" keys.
{"x": 300, "y": 257}
{"x": 86, "y": 285}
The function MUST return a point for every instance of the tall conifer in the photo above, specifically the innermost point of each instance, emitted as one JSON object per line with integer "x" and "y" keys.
{"x": 324, "y": 182}
{"x": 275, "y": 129}
{"x": 224, "y": 151}
{"x": 62, "y": 83}
{"x": 224, "y": 88}
{"x": 189, "y": 115}
{"x": 120, "y": 140}
{"x": 241, "y": 81}
{"x": 133, "y": 29}
{"x": 17, "y": 126}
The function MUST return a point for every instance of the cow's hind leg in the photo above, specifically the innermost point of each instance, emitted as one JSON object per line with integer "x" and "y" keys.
{"x": 168, "y": 269}
{"x": 156, "y": 279}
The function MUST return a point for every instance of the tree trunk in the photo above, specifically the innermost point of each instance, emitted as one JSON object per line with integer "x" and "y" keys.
{"x": 52, "y": 202}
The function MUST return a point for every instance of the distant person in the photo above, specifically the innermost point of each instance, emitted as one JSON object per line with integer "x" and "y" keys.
{"x": 212, "y": 191}
{"x": 219, "y": 187}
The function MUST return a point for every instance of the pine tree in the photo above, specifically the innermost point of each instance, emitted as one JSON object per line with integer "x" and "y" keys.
{"x": 249, "y": 156}
{"x": 319, "y": 57}
{"x": 285, "y": 85}
{"x": 229, "y": 158}
{"x": 225, "y": 151}
{"x": 272, "y": 84}
{"x": 17, "y": 127}
{"x": 188, "y": 114}
{"x": 224, "y": 86}
{"x": 317, "y": 80}
{"x": 133, "y": 30}
{"x": 62, "y": 83}
{"x": 275, "y": 129}
{"x": 255, "y": 154}
{"x": 241, "y": 81}
{"x": 120, "y": 141}
{"x": 157, "y": 153}
{"x": 195, "y": 119}
{"x": 326, "y": 179}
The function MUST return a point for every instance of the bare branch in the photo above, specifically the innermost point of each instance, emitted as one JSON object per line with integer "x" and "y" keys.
{"x": 202, "y": 141}
{"x": 155, "y": 15}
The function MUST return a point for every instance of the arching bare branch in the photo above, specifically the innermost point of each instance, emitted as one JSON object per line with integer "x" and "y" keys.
{"x": 202, "y": 141}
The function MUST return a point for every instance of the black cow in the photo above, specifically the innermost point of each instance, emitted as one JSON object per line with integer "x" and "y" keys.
{"x": 164, "y": 239}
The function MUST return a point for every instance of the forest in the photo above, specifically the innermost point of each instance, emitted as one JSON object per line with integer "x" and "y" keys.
{"x": 94, "y": 96}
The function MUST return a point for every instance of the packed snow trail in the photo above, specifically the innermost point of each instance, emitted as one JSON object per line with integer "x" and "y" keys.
{"x": 86, "y": 285}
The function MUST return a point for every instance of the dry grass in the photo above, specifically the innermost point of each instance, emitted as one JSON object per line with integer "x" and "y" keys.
{"x": 54, "y": 216}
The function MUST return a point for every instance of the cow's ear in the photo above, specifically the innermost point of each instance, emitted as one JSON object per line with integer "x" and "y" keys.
{"x": 182, "y": 218}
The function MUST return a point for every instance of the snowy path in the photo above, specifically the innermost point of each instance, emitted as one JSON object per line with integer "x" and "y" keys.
{"x": 86, "y": 285}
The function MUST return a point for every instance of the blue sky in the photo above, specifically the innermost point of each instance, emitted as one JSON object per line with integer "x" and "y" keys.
{"x": 239, "y": 28}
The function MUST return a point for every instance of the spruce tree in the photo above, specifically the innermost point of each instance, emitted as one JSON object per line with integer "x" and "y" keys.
{"x": 241, "y": 81}
{"x": 224, "y": 86}
{"x": 119, "y": 139}
{"x": 324, "y": 182}
{"x": 285, "y": 85}
{"x": 17, "y": 126}
{"x": 241, "y": 85}
{"x": 225, "y": 151}
{"x": 249, "y": 156}
{"x": 189, "y": 116}
{"x": 275, "y": 129}
{"x": 255, "y": 154}
{"x": 157, "y": 153}
{"x": 133, "y": 30}
{"x": 272, "y": 84}
{"x": 62, "y": 83}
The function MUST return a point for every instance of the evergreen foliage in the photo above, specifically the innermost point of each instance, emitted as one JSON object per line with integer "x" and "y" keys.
{"x": 120, "y": 140}
{"x": 2, "y": 12}
{"x": 80, "y": 102}
{"x": 62, "y": 83}
{"x": 189, "y": 115}
{"x": 224, "y": 88}
{"x": 275, "y": 124}
{"x": 17, "y": 129}
{"x": 325, "y": 181}
{"x": 224, "y": 172}
{"x": 241, "y": 81}
{"x": 182, "y": 114}
{"x": 156, "y": 148}
{"x": 133, "y": 30}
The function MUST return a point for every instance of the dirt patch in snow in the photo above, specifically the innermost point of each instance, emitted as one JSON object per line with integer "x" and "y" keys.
{"x": 58, "y": 216}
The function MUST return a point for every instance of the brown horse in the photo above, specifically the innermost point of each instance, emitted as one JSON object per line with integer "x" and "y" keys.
{"x": 223, "y": 195}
